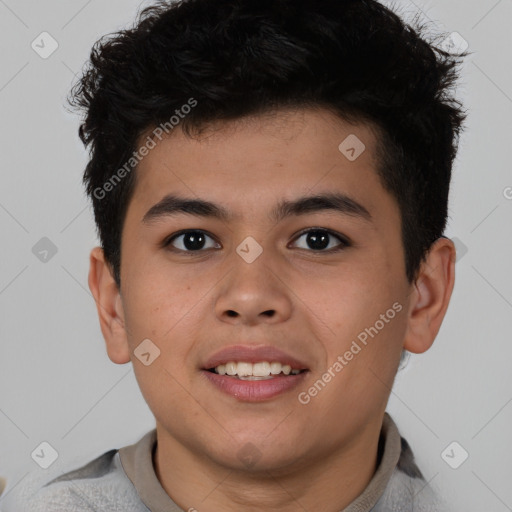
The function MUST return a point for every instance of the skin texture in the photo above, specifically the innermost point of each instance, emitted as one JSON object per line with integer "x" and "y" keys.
{"x": 312, "y": 304}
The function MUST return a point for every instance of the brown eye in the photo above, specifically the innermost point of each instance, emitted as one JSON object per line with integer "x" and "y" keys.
{"x": 190, "y": 241}
{"x": 320, "y": 239}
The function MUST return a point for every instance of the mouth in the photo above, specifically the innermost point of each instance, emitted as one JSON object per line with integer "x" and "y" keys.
{"x": 263, "y": 370}
{"x": 254, "y": 373}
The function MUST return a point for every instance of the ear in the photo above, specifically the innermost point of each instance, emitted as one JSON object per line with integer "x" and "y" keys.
{"x": 430, "y": 296}
{"x": 110, "y": 308}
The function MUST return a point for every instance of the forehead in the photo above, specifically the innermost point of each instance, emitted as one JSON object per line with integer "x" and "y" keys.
{"x": 251, "y": 164}
{"x": 284, "y": 149}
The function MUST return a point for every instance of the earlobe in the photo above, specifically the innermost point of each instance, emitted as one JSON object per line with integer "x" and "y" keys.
{"x": 431, "y": 296}
{"x": 109, "y": 306}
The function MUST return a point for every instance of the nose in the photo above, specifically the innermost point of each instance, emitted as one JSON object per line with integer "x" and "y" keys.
{"x": 254, "y": 293}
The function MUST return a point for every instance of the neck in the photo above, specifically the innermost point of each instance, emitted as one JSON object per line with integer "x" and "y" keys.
{"x": 324, "y": 481}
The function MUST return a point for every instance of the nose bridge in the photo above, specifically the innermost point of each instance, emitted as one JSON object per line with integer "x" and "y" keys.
{"x": 252, "y": 289}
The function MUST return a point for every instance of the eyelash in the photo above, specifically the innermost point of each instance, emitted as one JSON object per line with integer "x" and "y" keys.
{"x": 343, "y": 245}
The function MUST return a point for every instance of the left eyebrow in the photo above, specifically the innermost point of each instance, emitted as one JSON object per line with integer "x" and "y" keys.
{"x": 172, "y": 205}
{"x": 337, "y": 202}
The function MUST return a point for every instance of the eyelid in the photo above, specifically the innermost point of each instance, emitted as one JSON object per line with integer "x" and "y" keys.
{"x": 168, "y": 240}
{"x": 345, "y": 242}
{"x": 339, "y": 236}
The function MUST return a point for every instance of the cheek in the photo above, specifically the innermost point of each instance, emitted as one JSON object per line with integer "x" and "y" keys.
{"x": 167, "y": 318}
{"x": 166, "y": 312}
{"x": 362, "y": 308}
{"x": 345, "y": 302}
{"x": 154, "y": 305}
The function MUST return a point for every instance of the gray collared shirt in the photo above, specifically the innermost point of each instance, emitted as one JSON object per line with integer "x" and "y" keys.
{"x": 124, "y": 480}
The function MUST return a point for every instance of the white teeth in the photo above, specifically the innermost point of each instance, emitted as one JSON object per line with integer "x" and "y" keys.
{"x": 286, "y": 369}
{"x": 256, "y": 371}
{"x": 231, "y": 368}
{"x": 261, "y": 369}
{"x": 253, "y": 377}
{"x": 244, "y": 369}
{"x": 275, "y": 368}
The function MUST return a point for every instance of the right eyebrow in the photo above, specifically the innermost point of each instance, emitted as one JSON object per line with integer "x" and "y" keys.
{"x": 172, "y": 205}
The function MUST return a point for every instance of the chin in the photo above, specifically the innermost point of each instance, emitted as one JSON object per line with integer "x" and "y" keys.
{"x": 247, "y": 453}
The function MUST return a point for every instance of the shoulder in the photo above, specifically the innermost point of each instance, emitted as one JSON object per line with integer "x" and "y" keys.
{"x": 99, "y": 485}
{"x": 409, "y": 493}
{"x": 407, "y": 488}
{"x": 401, "y": 485}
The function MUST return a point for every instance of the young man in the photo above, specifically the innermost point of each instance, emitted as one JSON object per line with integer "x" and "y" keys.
{"x": 270, "y": 183}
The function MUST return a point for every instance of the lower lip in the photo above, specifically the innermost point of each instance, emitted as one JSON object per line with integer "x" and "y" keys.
{"x": 254, "y": 390}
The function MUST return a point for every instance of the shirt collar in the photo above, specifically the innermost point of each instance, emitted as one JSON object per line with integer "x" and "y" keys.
{"x": 137, "y": 462}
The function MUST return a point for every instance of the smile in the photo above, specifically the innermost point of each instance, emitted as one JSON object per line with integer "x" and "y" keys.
{"x": 255, "y": 371}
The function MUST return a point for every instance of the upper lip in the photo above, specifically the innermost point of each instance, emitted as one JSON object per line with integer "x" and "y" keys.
{"x": 253, "y": 354}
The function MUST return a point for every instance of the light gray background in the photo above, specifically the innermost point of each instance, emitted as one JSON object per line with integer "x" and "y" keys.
{"x": 56, "y": 381}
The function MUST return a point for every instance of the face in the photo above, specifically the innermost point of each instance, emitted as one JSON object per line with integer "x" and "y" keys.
{"x": 323, "y": 284}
